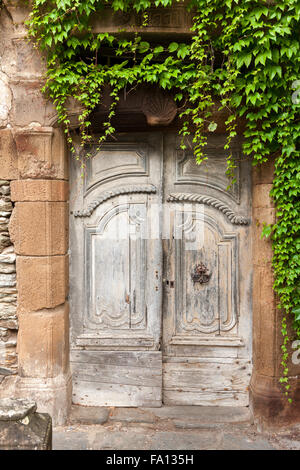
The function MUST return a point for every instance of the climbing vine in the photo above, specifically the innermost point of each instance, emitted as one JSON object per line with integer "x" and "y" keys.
{"x": 243, "y": 54}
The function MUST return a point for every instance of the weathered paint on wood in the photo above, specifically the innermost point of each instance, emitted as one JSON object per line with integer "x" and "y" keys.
{"x": 207, "y": 376}
{"x": 151, "y": 359}
{"x": 206, "y": 326}
{"x": 130, "y": 378}
{"x": 89, "y": 394}
{"x": 200, "y": 398}
{"x": 134, "y": 299}
{"x": 116, "y": 275}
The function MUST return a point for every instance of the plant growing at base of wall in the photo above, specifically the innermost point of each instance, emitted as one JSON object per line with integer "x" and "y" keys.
{"x": 243, "y": 53}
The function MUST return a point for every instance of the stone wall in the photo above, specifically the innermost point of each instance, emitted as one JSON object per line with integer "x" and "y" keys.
{"x": 8, "y": 291}
{"x": 269, "y": 405}
{"x": 34, "y": 160}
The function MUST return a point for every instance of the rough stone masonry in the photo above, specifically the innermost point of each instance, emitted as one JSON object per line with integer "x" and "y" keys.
{"x": 8, "y": 291}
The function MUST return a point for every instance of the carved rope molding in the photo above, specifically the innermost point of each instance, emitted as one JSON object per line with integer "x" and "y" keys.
{"x": 210, "y": 201}
{"x": 113, "y": 193}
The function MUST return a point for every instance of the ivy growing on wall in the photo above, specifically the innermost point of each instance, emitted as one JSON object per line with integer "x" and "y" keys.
{"x": 243, "y": 54}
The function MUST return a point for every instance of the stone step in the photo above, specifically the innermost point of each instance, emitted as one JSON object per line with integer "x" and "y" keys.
{"x": 88, "y": 414}
{"x": 203, "y": 414}
{"x": 184, "y": 417}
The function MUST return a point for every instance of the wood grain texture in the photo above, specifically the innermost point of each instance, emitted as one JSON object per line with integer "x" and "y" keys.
{"x": 112, "y": 378}
{"x": 134, "y": 300}
{"x": 125, "y": 358}
{"x": 177, "y": 397}
{"x": 206, "y": 383}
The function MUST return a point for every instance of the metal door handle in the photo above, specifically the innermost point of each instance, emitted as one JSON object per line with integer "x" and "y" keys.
{"x": 200, "y": 274}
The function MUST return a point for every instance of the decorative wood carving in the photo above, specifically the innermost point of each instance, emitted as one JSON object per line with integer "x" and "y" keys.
{"x": 212, "y": 306}
{"x": 210, "y": 201}
{"x": 114, "y": 161}
{"x": 159, "y": 108}
{"x": 113, "y": 193}
{"x": 211, "y": 172}
{"x": 115, "y": 295}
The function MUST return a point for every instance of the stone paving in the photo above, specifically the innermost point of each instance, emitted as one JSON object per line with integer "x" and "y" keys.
{"x": 168, "y": 428}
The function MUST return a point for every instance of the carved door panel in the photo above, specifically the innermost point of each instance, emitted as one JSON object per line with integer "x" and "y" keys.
{"x": 116, "y": 291}
{"x": 207, "y": 278}
{"x": 160, "y": 276}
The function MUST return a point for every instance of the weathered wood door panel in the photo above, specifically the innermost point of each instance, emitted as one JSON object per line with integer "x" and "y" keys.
{"x": 116, "y": 288}
{"x": 160, "y": 276}
{"x": 207, "y": 272}
{"x": 115, "y": 378}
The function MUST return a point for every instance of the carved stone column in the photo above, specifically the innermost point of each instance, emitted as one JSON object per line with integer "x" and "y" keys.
{"x": 269, "y": 405}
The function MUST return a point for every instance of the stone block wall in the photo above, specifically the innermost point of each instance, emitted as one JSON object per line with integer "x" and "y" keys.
{"x": 8, "y": 291}
{"x": 269, "y": 405}
{"x": 33, "y": 227}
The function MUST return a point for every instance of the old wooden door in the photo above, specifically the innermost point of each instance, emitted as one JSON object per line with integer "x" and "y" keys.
{"x": 160, "y": 276}
{"x": 115, "y": 284}
{"x": 207, "y": 278}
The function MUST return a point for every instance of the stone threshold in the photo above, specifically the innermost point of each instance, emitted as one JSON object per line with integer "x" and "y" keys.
{"x": 181, "y": 417}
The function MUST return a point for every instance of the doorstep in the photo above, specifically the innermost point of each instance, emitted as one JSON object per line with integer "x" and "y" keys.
{"x": 184, "y": 417}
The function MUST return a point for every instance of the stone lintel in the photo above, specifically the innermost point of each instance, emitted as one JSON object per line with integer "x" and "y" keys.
{"x": 174, "y": 20}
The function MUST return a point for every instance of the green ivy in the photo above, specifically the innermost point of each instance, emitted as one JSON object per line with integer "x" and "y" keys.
{"x": 244, "y": 54}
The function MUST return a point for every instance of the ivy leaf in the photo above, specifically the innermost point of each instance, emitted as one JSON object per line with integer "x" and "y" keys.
{"x": 243, "y": 59}
{"x": 266, "y": 231}
{"x": 296, "y": 312}
{"x": 178, "y": 96}
{"x": 236, "y": 100}
{"x": 144, "y": 47}
{"x": 261, "y": 58}
{"x": 182, "y": 51}
{"x": 274, "y": 70}
{"x": 173, "y": 47}
{"x": 48, "y": 41}
{"x": 158, "y": 50}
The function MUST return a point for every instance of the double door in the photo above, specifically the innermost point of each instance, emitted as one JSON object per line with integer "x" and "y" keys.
{"x": 160, "y": 275}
